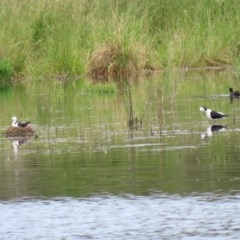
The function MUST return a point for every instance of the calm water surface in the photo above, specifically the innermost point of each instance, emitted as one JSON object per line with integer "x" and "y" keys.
{"x": 87, "y": 175}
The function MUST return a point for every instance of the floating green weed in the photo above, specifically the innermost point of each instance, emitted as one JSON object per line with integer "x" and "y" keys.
{"x": 100, "y": 88}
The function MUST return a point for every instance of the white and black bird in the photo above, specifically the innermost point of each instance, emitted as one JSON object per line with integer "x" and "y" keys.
{"x": 212, "y": 114}
{"x": 16, "y": 123}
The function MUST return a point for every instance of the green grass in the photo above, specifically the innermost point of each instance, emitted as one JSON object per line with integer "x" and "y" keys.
{"x": 61, "y": 37}
{"x": 99, "y": 89}
{"x": 6, "y": 71}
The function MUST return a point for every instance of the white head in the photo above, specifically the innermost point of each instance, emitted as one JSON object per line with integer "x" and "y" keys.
{"x": 14, "y": 122}
{"x": 203, "y": 109}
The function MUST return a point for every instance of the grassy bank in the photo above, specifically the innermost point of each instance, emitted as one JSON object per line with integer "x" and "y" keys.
{"x": 49, "y": 38}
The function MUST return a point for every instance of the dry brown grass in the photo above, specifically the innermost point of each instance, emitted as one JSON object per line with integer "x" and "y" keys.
{"x": 113, "y": 61}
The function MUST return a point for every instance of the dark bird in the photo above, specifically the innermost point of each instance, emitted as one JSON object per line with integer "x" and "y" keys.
{"x": 15, "y": 123}
{"x": 234, "y": 94}
{"x": 212, "y": 114}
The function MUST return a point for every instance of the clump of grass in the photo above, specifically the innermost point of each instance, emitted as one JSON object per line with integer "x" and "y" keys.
{"x": 114, "y": 61}
{"x": 6, "y": 71}
{"x": 100, "y": 89}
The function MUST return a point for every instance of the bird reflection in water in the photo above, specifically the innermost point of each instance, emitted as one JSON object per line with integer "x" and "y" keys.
{"x": 16, "y": 142}
{"x": 213, "y": 129}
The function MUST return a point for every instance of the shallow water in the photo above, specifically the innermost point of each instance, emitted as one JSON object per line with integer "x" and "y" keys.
{"x": 87, "y": 175}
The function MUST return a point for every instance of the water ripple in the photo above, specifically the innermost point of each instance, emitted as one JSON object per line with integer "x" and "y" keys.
{"x": 159, "y": 216}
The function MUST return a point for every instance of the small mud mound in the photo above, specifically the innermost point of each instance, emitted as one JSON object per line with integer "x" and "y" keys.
{"x": 19, "y": 132}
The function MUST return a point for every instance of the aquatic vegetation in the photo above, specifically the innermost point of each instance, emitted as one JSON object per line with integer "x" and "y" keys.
{"x": 99, "y": 88}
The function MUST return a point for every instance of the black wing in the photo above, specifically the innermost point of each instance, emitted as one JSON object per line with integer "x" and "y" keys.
{"x": 216, "y": 115}
{"x": 23, "y": 124}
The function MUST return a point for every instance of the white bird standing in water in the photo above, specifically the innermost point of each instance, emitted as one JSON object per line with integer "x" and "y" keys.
{"x": 212, "y": 114}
